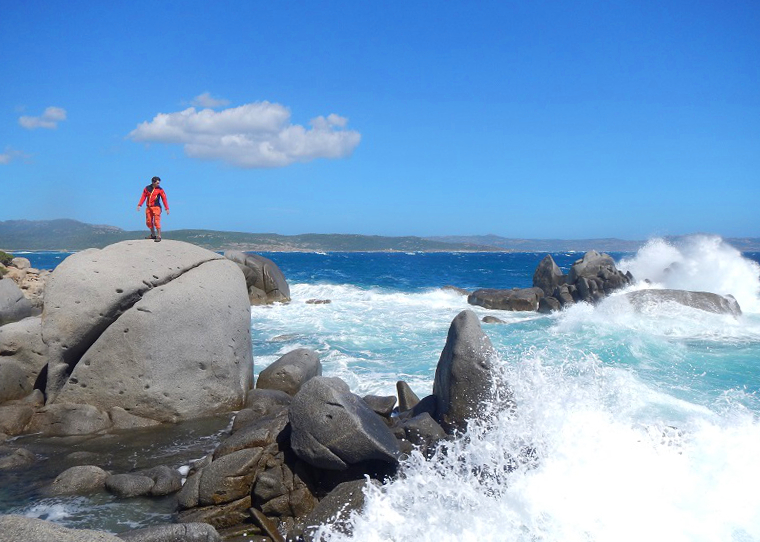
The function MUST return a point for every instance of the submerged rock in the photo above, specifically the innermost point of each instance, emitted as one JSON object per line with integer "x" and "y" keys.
{"x": 704, "y": 301}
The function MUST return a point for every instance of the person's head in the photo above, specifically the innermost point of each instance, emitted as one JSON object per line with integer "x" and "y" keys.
{"x": 155, "y": 181}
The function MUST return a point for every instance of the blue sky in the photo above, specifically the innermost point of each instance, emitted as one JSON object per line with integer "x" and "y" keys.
{"x": 521, "y": 119}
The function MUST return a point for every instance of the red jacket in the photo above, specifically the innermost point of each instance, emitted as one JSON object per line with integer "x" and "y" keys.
{"x": 154, "y": 197}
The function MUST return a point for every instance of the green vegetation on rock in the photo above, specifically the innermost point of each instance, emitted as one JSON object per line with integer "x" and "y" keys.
{"x": 5, "y": 258}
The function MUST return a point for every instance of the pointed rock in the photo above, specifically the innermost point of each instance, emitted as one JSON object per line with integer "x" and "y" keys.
{"x": 466, "y": 379}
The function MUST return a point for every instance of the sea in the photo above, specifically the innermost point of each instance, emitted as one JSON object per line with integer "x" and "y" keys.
{"x": 641, "y": 425}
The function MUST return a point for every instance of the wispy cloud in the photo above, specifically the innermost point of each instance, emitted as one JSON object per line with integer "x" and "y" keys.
{"x": 206, "y": 100}
{"x": 254, "y": 135}
{"x": 9, "y": 155}
{"x": 49, "y": 119}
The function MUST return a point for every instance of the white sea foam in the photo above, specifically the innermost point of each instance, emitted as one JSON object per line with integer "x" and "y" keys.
{"x": 699, "y": 263}
{"x": 601, "y": 469}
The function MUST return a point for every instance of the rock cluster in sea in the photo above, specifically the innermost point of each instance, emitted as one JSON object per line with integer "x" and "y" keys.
{"x": 590, "y": 279}
{"x": 305, "y": 443}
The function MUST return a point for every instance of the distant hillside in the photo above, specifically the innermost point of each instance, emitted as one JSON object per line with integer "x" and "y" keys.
{"x": 66, "y": 234}
{"x": 744, "y": 244}
{"x": 545, "y": 245}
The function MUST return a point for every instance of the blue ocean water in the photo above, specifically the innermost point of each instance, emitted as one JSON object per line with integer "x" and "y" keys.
{"x": 645, "y": 424}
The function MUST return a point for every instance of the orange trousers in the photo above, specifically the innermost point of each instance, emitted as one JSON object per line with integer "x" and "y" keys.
{"x": 153, "y": 217}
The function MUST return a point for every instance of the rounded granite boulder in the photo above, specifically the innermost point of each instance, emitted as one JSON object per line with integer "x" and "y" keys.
{"x": 159, "y": 330}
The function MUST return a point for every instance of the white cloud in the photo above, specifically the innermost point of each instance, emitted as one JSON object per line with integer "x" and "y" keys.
{"x": 254, "y": 135}
{"x": 10, "y": 155}
{"x": 49, "y": 119}
{"x": 206, "y": 100}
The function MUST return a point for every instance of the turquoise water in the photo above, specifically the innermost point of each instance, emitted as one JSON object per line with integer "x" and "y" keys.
{"x": 644, "y": 424}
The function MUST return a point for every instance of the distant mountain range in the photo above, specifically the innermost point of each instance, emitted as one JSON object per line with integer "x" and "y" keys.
{"x": 70, "y": 235}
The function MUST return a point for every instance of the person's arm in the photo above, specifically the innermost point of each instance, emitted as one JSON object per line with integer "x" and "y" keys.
{"x": 142, "y": 199}
{"x": 166, "y": 203}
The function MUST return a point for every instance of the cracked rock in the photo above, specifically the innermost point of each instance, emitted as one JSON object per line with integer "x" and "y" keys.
{"x": 161, "y": 331}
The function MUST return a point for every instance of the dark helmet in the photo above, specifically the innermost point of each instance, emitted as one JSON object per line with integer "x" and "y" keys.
{"x": 154, "y": 179}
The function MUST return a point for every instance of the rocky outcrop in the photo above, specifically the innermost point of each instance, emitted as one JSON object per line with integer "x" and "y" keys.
{"x": 705, "y": 301}
{"x": 590, "y": 279}
{"x": 266, "y": 283}
{"x": 159, "y": 330}
{"x": 466, "y": 379}
{"x": 289, "y": 464}
{"x": 516, "y": 299}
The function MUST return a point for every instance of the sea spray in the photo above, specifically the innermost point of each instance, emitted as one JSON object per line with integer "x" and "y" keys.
{"x": 604, "y": 467}
{"x": 698, "y": 263}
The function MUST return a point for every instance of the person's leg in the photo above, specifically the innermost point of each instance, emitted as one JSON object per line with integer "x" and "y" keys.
{"x": 157, "y": 223}
{"x": 149, "y": 222}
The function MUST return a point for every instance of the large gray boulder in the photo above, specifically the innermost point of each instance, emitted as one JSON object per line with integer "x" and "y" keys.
{"x": 13, "y": 305}
{"x": 466, "y": 378}
{"x": 332, "y": 428}
{"x": 516, "y": 299}
{"x": 291, "y": 371}
{"x": 265, "y": 281}
{"x": 19, "y": 528}
{"x": 705, "y": 301}
{"x": 160, "y": 330}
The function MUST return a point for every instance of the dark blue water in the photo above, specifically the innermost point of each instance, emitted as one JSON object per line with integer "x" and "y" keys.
{"x": 401, "y": 271}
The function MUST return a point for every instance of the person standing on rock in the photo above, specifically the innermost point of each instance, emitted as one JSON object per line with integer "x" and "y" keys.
{"x": 152, "y": 196}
